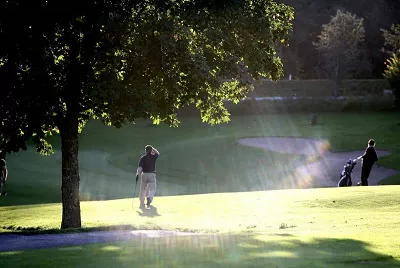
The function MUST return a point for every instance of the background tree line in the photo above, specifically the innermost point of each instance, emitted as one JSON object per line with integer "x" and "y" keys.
{"x": 302, "y": 58}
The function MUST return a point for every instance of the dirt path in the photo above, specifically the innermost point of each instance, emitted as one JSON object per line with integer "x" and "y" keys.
{"x": 322, "y": 167}
{"x": 15, "y": 242}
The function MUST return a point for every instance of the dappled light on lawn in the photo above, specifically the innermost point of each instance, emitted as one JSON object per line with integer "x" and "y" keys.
{"x": 287, "y": 228}
{"x": 214, "y": 250}
{"x": 269, "y": 254}
{"x": 111, "y": 248}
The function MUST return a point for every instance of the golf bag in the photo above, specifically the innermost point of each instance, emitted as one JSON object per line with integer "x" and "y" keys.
{"x": 345, "y": 175}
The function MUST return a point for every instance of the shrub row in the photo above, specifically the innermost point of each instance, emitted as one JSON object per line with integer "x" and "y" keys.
{"x": 351, "y": 104}
{"x": 319, "y": 88}
{"x": 309, "y": 105}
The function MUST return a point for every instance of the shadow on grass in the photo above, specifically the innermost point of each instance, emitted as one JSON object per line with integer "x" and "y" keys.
{"x": 150, "y": 212}
{"x": 253, "y": 250}
{"x": 16, "y": 230}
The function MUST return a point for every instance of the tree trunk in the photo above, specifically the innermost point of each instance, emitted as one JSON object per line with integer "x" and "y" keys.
{"x": 71, "y": 211}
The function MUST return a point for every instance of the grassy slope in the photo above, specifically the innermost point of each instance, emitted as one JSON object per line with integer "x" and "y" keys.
{"x": 195, "y": 158}
{"x": 327, "y": 227}
{"x": 334, "y": 227}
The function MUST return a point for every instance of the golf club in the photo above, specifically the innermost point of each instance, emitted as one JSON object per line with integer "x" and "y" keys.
{"x": 134, "y": 191}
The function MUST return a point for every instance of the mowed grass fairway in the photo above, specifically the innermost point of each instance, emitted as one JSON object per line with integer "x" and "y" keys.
{"x": 209, "y": 184}
{"x": 195, "y": 158}
{"x": 331, "y": 227}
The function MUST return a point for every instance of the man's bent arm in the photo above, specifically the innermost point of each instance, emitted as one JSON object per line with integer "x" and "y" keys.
{"x": 361, "y": 156}
{"x": 154, "y": 151}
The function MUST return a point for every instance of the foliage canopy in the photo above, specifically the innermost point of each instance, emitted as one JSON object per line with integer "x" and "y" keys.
{"x": 62, "y": 63}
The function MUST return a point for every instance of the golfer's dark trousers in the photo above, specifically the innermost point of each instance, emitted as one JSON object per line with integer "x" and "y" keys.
{"x": 2, "y": 185}
{"x": 365, "y": 171}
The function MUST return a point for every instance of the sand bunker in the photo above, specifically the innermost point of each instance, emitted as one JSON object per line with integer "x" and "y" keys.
{"x": 320, "y": 167}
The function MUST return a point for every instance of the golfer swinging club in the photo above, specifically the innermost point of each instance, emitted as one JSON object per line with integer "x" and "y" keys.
{"x": 147, "y": 166}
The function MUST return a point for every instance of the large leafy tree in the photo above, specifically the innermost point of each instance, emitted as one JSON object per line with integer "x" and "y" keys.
{"x": 63, "y": 63}
{"x": 392, "y": 64}
{"x": 341, "y": 46}
{"x": 311, "y": 15}
{"x": 392, "y": 73}
{"x": 392, "y": 39}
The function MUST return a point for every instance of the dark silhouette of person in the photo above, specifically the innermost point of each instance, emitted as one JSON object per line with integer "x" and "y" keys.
{"x": 368, "y": 160}
{"x": 3, "y": 176}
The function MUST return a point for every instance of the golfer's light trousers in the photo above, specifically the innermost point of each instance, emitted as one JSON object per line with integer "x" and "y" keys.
{"x": 147, "y": 186}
